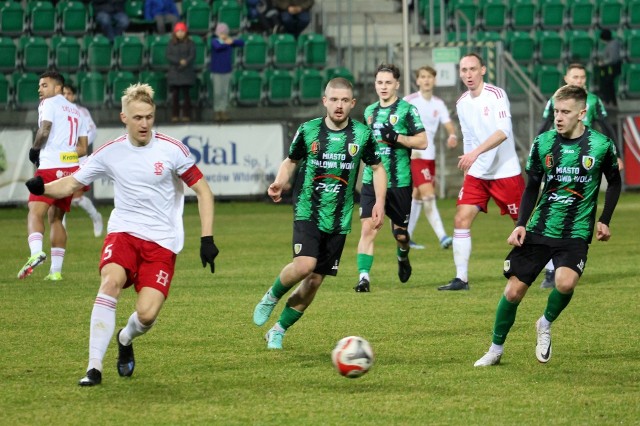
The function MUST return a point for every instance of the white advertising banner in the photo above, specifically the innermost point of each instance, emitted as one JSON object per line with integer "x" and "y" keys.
{"x": 15, "y": 167}
{"x": 236, "y": 159}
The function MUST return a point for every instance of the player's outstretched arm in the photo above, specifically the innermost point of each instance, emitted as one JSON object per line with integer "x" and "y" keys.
{"x": 57, "y": 189}
{"x": 208, "y": 249}
{"x": 287, "y": 167}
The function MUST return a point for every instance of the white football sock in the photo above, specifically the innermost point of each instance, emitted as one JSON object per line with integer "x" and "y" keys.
{"x": 364, "y": 275}
{"x": 433, "y": 216}
{"x": 462, "y": 252}
{"x": 87, "y": 206}
{"x": 103, "y": 322}
{"x": 544, "y": 323}
{"x": 133, "y": 329}
{"x": 416, "y": 207}
{"x": 57, "y": 258}
{"x": 35, "y": 242}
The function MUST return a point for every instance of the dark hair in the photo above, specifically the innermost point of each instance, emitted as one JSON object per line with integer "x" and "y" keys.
{"x": 605, "y": 35}
{"x": 567, "y": 92}
{"x": 55, "y": 76}
{"x": 70, "y": 88}
{"x": 428, "y": 69}
{"x": 389, "y": 68}
{"x": 475, "y": 55}
{"x": 576, "y": 65}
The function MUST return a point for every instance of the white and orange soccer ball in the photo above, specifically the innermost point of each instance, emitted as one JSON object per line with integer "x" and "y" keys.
{"x": 352, "y": 356}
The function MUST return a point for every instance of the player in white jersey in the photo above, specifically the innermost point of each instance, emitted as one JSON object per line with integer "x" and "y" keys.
{"x": 60, "y": 139}
{"x": 79, "y": 199}
{"x": 491, "y": 166}
{"x": 433, "y": 112}
{"x": 145, "y": 230}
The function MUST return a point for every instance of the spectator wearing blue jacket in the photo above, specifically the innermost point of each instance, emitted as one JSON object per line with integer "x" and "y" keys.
{"x": 221, "y": 66}
{"x": 163, "y": 12}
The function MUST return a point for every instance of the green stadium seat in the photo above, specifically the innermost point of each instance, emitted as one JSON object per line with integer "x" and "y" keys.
{"x": 158, "y": 81}
{"x": 335, "y": 72}
{"x": 582, "y": 14}
{"x": 34, "y": 54}
{"x": 197, "y": 16}
{"x": 282, "y": 51}
{"x": 550, "y": 47}
{"x": 551, "y": 14}
{"x": 12, "y": 19}
{"x": 41, "y": 16}
{"x": 630, "y": 81}
{"x": 548, "y": 78}
{"x": 92, "y": 87}
{"x": 278, "y": 86}
{"x": 632, "y": 45}
{"x": 6, "y": 100}
{"x": 425, "y": 15}
{"x": 66, "y": 53}
{"x": 117, "y": 83}
{"x": 308, "y": 84}
{"x": 8, "y": 55}
{"x": 128, "y": 52}
{"x": 489, "y": 36}
{"x": 253, "y": 55}
{"x": 73, "y": 17}
{"x": 632, "y": 15}
{"x": 522, "y": 46}
{"x": 98, "y": 52}
{"x": 246, "y": 87}
{"x": 494, "y": 15}
{"x": 523, "y": 15}
{"x": 202, "y": 52}
{"x": 580, "y": 46}
{"x": 231, "y": 13}
{"x": 25, "y": 89}
{"x": 157, "y": 51}
{"x": 468, "y": 8}
{"x": 610, "y": 13}
{"x": 135, "y": 11}
{"x": 513, "y": 86}
{"x": 312, "y": 49}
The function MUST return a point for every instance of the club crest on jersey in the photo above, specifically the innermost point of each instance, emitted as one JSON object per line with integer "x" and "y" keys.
{"x": 159, "y": 168}
{"x": 393, "y": 119}
{"x": 588, "y": 161}
{"x": 548, "y": 161}
{"x": 297, "y": 248}
{"x": 507, "y": 265}
{"x": 486, "y": 111}
{"x": 315, "y": 147}
{"x": 353, "y": 149}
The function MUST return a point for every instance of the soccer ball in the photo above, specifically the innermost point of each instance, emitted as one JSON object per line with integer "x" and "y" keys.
{"x": 352, "y": 356}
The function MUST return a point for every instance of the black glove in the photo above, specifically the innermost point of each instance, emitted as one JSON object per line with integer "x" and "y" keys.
{"x": 388, "y": 134}
{"x": 34, "y": 156}
{"x": 208, "y": 252}
{"x": 35, "y": 185}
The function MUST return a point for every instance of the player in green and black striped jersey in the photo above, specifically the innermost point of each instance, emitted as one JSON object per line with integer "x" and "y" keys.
{"x": 557, "y": 225}
{"x": 397, "y": 126}
{"x": 596, "y": 114}
{"x": 327, "y": 152}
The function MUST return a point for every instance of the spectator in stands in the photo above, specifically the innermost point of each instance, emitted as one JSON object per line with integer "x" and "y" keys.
{"x": 221, "y": 66}
{"x": 111, "y": 17}
{"x": 181, "y": 54}
{"x": 610, "y": 67}
{"x": 163, "y": 12}
{"x": 262, "y": 15}
{"x": 295, "y": 15}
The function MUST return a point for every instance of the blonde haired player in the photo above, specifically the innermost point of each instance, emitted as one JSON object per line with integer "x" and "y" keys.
{"x": 145, "y": 229}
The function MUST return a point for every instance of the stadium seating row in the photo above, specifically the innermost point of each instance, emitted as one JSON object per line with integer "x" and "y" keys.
{"x": 96, "y": 53}
{"x": 73, "y": 17}
{"x": 249, "y": 87}
{"x": 525, "y": 15}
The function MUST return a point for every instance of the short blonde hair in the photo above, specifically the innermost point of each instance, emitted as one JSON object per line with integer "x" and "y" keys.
{"x": 140, "y": 92}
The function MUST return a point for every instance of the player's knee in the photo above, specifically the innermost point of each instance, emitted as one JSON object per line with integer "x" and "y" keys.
{"x": 304, "y": 266}
{"x": 147, "y": 315}
{"x": 401, "y": 235}
{"x": 427, "y": 203}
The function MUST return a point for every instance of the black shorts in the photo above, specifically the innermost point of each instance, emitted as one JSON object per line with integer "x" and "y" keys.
{"x": 308, "y": 240}
{"x": 397, "y": 205}
{"x": 527, "y": 261}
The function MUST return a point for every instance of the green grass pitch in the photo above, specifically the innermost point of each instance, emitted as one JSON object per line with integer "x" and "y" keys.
{"x": 205, "y": 362}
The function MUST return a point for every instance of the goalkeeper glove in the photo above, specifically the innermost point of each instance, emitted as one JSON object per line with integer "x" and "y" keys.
{"x": 208, "y": 252}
